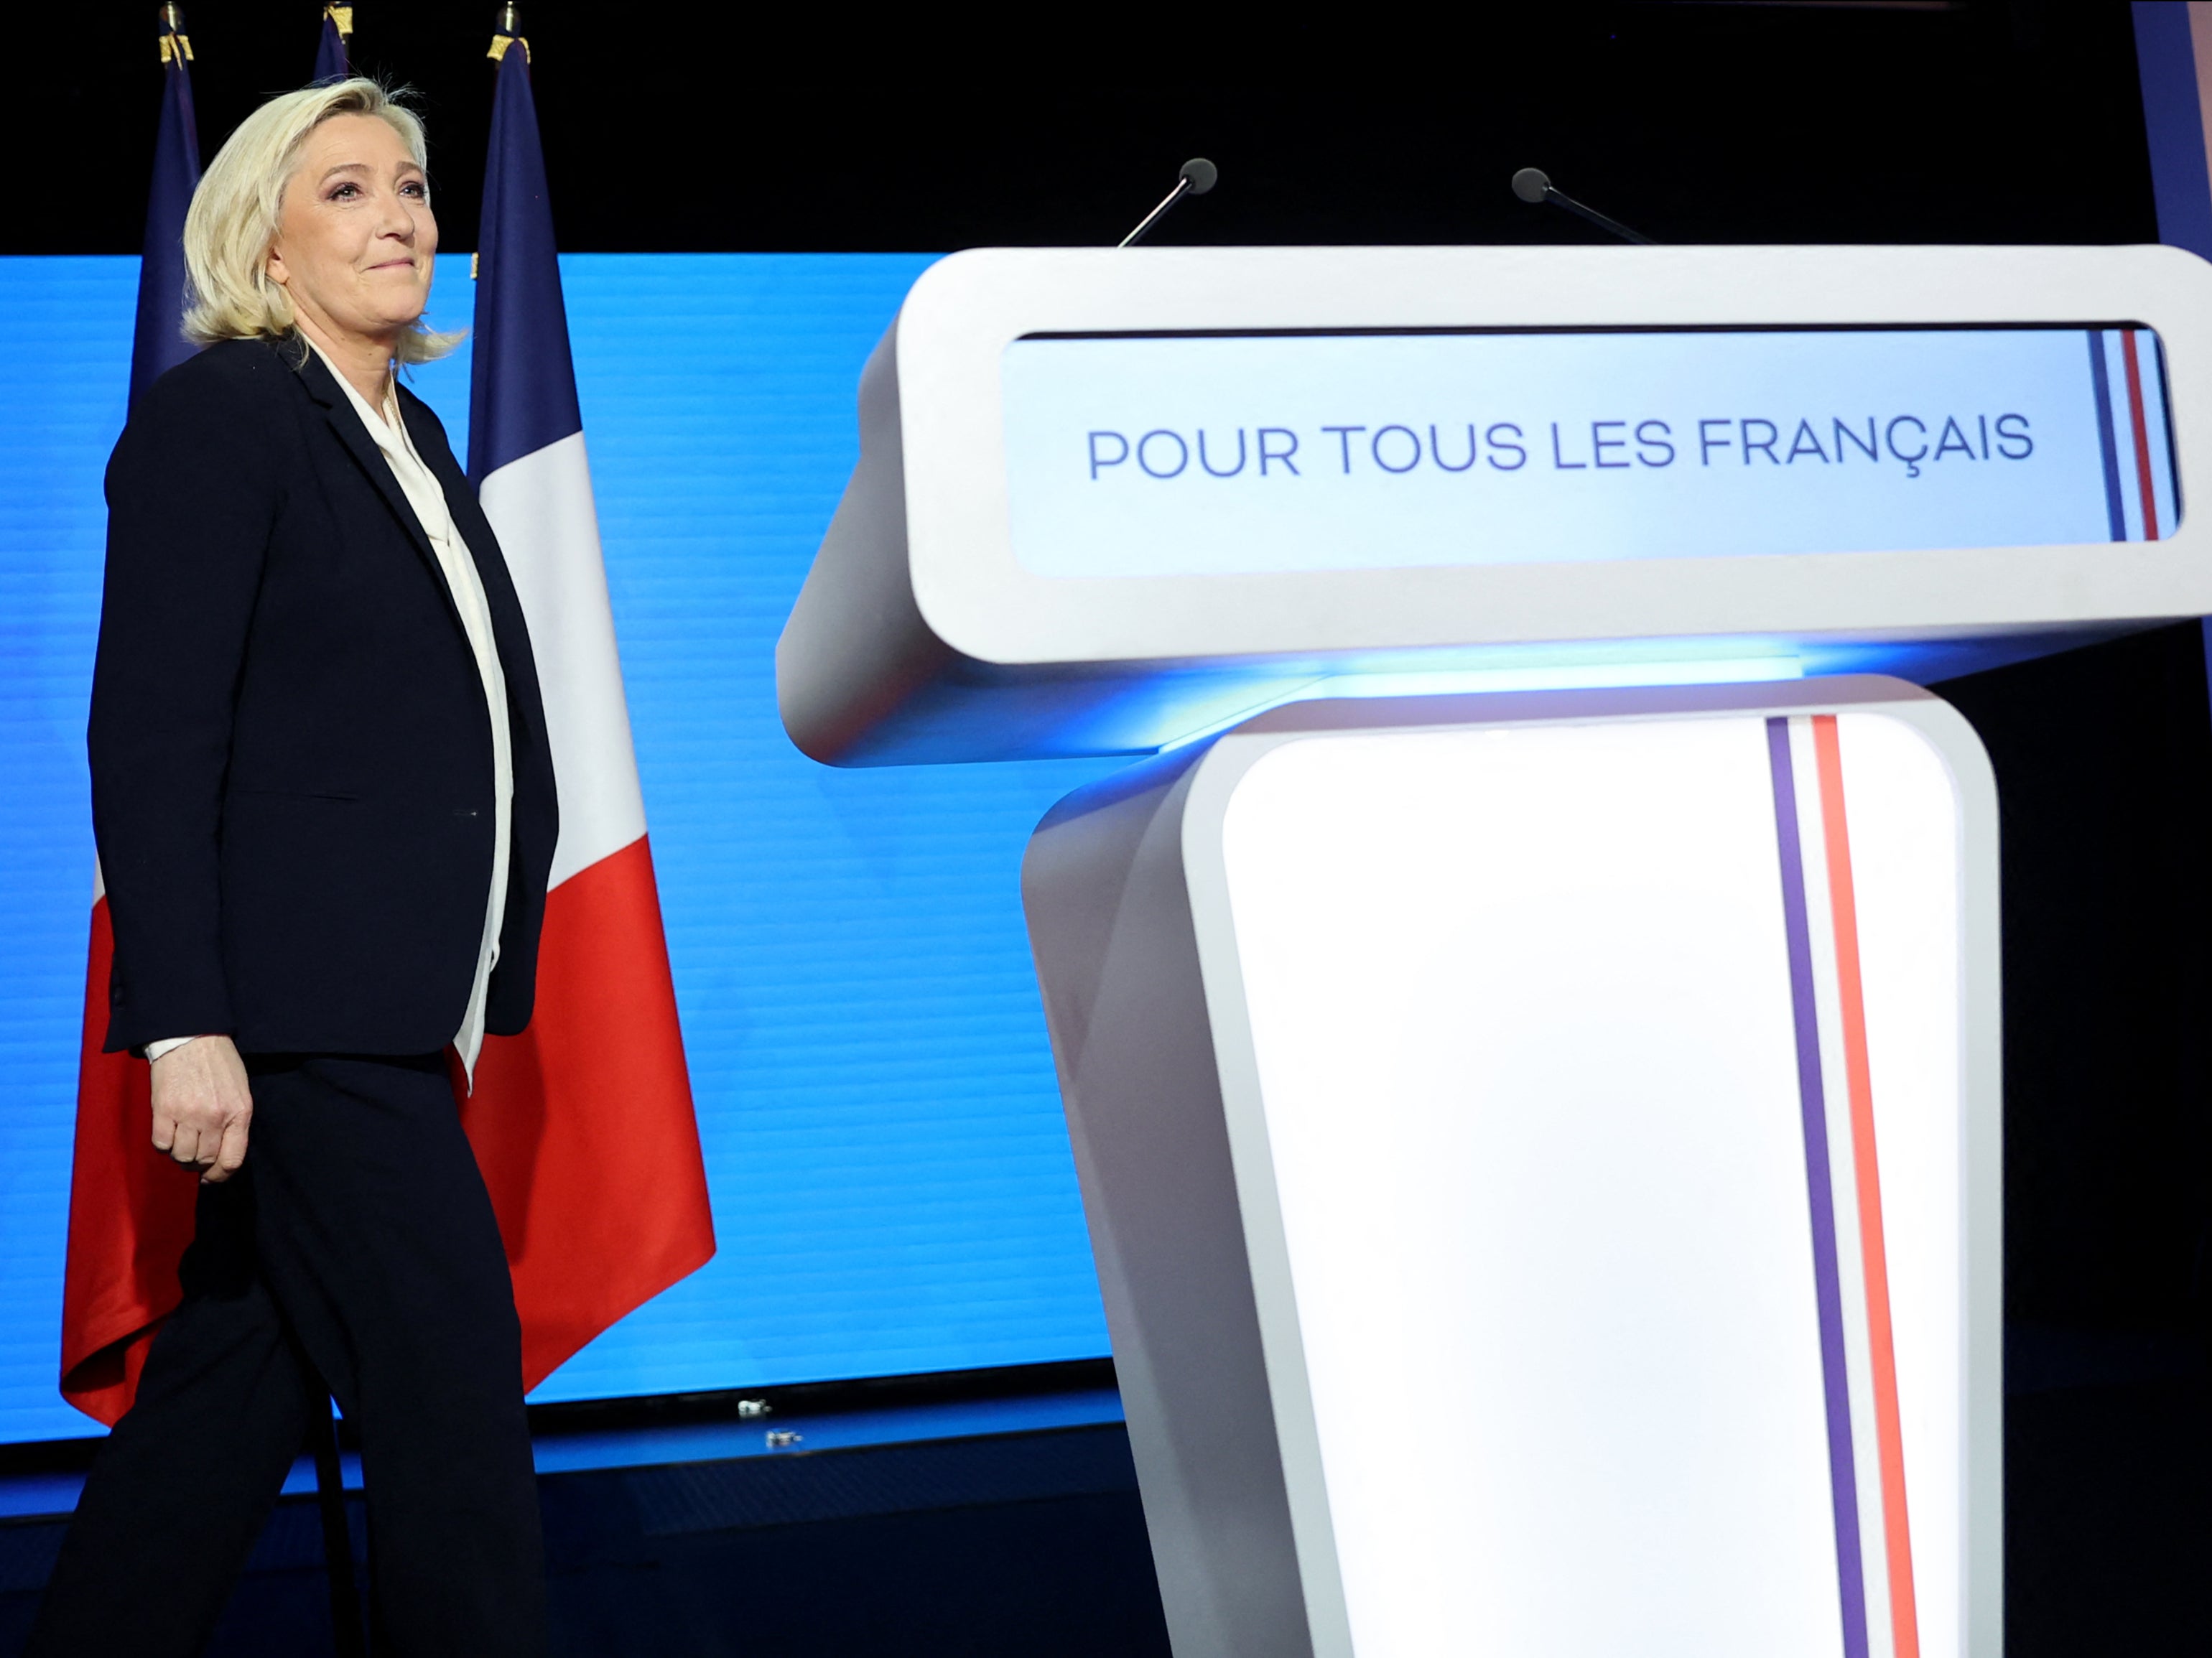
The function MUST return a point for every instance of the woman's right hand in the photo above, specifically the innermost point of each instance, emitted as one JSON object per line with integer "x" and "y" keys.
{"x": 202, "y": 1106}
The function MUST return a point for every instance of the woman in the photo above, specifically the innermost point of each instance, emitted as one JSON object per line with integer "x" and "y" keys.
{"x": 324, "y": 808}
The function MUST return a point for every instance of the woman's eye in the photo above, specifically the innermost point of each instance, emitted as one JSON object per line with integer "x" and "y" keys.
{"x": 417, "y": 190}
{"x": 344, "y": 192}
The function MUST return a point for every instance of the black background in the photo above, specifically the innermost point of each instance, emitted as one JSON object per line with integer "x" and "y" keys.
{"x": 711, "y": 128}
{"x": 677, "y": 127}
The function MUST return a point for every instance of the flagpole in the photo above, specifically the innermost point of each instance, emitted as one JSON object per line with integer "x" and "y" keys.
{"x": 332, "y": 65}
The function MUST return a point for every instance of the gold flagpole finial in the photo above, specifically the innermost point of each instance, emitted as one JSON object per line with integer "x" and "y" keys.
{"x": 343, "y": 16}
{"x": 175, "y": 43}
{"x": 507, "y": 31}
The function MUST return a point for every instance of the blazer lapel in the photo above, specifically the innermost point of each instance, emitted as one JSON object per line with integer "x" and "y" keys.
{"x": 322, "y": 385}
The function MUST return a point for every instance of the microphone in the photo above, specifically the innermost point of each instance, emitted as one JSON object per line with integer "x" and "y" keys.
{"x": 1198, "y": 176}
{"x": 1530, "y": 184}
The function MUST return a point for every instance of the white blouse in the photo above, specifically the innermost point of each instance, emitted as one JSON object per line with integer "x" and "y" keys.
{"x": 421, "y": 486}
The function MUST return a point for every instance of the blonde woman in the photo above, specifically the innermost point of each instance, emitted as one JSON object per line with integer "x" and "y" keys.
{"x": 324, "y": 809}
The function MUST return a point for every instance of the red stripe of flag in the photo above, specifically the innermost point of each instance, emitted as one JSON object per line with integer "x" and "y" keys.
{"x": 583, "y": 1124}
{"x": 131, "y": 1214}
{"x": 2141, "y": 434}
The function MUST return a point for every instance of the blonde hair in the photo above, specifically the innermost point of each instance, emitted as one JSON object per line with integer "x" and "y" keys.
{"x": 233, "y": 219}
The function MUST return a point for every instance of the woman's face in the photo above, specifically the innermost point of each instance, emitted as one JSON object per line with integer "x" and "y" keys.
{"x": 355, "y": 235}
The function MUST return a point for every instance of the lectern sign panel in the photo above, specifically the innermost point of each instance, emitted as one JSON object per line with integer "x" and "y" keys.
{"x": 1207, "y": 454}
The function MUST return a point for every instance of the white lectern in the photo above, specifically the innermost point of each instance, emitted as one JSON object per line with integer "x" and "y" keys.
{"x": 1542, "y": 1147}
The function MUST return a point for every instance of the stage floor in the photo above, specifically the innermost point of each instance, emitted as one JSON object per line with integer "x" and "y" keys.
{"x": 1033, "y": 1543}
{"x": 1021, "y": 1544}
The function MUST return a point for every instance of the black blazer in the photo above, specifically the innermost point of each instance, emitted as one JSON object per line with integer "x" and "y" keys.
{"x": 291, "y": 760}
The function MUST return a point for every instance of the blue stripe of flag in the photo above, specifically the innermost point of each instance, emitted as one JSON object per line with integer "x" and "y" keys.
{"x": 522, "y": 391}
{"x": 158, "y": 344}
{"x": 330, "y": 53}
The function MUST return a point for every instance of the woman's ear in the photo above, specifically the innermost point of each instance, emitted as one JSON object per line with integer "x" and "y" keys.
{"x": 275, "y": 266}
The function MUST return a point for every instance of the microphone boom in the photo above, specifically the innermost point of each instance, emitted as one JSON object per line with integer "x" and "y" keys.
{"x": 1532, "y": 187}
{"x": 1196, "y": 177}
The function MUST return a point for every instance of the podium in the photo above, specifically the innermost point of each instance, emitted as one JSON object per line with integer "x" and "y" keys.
{"x": 1528, "y": 1015}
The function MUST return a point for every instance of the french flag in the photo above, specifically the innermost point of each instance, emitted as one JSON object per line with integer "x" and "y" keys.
{"x": 583, "y": 1125}
{"x": 130, "y": 1208}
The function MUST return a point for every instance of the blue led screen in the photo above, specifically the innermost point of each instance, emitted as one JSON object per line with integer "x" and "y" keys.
{"x": 892, "y": 1187}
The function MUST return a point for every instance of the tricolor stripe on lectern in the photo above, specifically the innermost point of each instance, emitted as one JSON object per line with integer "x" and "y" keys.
{"x": 1866, "y": 1452}
{"x": 131, "y": 1209}
{"x": 2127, "y": 375}
{"x": 583, "y": 1125}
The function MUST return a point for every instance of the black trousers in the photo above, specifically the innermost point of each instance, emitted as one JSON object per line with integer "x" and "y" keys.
{"x": 355, "y": 1249}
